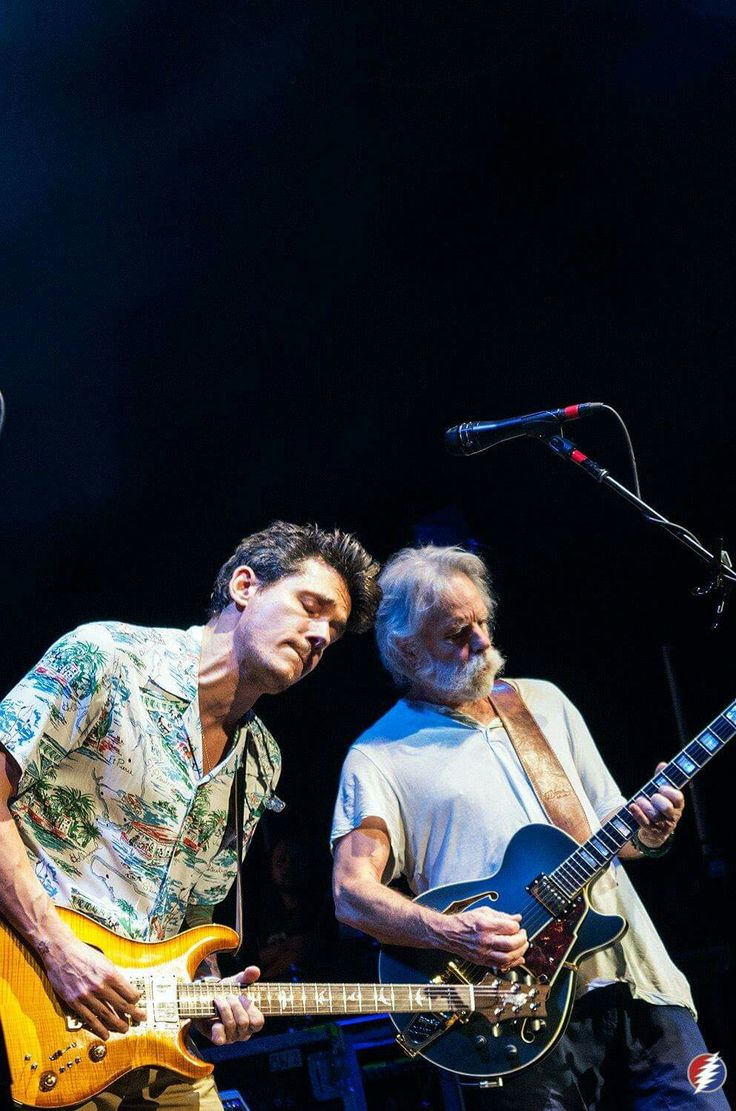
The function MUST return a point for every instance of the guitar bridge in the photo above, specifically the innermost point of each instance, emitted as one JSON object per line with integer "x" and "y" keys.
{"x": 422, "y": 1030}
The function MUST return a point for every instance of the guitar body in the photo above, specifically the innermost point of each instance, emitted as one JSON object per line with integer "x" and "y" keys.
{"x": 482, "y": 1047}
{"x": 72, "y": 1064}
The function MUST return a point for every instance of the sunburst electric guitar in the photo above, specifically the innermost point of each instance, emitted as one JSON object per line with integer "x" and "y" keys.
{"x": 546, "y": 876}
{"x": 55, "y": 1062}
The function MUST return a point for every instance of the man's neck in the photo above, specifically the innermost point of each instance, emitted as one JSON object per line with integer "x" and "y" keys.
{"x": 479, "y": 709}
{"x": 225, "y": 695}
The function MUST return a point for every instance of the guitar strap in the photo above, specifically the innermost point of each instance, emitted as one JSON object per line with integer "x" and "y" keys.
{"x": 540, "y": 763}
{"x": 239, "y": 792}
{"x": 238, "y": 800}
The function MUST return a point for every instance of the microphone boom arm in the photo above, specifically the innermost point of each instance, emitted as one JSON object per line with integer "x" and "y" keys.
{"x": 723, "y": 574}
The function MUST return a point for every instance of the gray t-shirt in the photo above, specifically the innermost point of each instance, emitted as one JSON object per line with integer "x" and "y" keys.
{"x": 452, "y": 794}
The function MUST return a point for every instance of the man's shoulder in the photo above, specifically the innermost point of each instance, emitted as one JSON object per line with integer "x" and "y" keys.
{"x": 550, "y": 705}
{"x": 122, "y": 636}
{"x": 398, "y": 722}
{"x": 136, "y": 644}
{"x": 540, "y": 691}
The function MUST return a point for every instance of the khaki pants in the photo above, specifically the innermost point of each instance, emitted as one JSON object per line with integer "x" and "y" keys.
{"x": 148, "y": 1089}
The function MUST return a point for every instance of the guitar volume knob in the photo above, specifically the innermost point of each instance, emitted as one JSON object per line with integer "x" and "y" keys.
{"x": 97, "y": 1052}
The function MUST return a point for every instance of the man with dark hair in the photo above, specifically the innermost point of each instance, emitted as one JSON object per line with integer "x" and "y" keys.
{"x": 435, "y": 790}
{"x": 118, "y": 753}
{"x": 282, "y": 548}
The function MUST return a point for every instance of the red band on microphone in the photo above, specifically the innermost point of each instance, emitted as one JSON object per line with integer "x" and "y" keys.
{"x": 571, "y": 412}
{"x": 578, "y": 456}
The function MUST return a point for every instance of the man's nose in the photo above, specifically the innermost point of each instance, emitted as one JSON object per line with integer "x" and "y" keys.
{"x": 319, "y": 635}
{"x": 481, "y": 639}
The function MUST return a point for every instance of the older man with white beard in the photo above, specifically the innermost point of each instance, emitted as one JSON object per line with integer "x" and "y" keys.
{"x": 434, "y": 791}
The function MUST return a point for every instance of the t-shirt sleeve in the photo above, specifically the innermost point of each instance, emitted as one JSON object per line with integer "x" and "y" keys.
{"x": 365, "y": 792}
{"x": 600, "y": 786}
{"x": 56, "y": 705}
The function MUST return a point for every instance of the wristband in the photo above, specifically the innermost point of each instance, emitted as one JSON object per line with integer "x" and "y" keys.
{"x": 647, "y": 850}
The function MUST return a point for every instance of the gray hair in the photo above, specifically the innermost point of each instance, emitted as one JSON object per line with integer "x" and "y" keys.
{"x": 412, "y": 582}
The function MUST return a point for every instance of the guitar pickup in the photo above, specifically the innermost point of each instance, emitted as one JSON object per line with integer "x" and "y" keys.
{"x": 162, "y": 994}
{"x": 549, "y": 895}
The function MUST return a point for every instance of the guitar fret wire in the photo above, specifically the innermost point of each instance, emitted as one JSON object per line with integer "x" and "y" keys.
{"x": 583, "y": 869}
{"x": 567, "y": 884}
{"x": 697, "y": 745}
{"x": 574, "y": 864}
{"x": 722, "y": 722}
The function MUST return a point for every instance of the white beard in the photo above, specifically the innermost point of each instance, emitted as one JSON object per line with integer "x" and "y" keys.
{"x": 453, "y": 683}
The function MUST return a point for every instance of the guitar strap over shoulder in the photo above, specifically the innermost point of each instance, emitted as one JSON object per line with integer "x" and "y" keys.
{"x": 540, "y": 763}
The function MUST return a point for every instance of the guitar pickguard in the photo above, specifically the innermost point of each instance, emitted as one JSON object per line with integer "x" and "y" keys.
{"x": 550, "y": 948}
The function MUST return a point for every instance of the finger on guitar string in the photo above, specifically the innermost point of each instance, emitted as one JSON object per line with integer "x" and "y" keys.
{"x": 101, "y": 1020}
{"x": 239, "y": 1020}
{"x": 94, "y": 988}
{"x": 662, "y": 811}
{"x": 239, "y": 1017}
{"x": 487, "y": 937}
{"x": 109, "y": 1011}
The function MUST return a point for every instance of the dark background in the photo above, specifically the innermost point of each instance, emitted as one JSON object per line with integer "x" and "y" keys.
{"x": 258, "y": 256}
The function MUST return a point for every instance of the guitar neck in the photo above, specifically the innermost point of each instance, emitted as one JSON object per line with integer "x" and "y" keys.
{"x": 196, "y": 1000}
{"x": 593, "y": 857}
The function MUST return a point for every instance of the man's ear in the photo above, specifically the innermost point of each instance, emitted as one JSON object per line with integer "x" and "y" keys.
{"x": 407, "y": 650}
{"x": 242, "y": 586}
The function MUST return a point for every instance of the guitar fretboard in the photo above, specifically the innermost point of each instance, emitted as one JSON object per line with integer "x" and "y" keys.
{"x": 196, "y": 999}
{"x": 594, "y": 856}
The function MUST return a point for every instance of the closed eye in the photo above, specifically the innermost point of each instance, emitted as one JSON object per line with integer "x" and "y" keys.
{"x": 464, "y": 632}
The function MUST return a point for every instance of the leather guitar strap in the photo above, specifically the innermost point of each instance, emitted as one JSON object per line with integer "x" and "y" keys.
{"x": 541, "y": 765}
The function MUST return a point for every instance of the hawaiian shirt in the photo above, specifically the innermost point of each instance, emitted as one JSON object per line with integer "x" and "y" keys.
{"x": 118, "y": 817}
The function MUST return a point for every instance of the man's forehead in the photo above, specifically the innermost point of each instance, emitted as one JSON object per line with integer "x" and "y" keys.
{"x": 314, "y": 574}
{"x": 458, "y": 597}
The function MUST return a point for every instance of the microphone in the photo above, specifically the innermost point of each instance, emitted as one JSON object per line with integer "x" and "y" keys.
{"x": 479, "y": 435}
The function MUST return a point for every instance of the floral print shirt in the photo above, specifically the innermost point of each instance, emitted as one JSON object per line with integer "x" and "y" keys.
{"x": 118, "y": 817}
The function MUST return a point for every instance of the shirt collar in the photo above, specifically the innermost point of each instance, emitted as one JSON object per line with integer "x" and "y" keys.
{"x": 174, "y": 665}
{"x": 422, "y": 707}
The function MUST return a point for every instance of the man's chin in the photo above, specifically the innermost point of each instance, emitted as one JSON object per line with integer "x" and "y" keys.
{"x": 473, "y": 691}
{"x": 278, "y": 679}
{"x": 478, "y": 686}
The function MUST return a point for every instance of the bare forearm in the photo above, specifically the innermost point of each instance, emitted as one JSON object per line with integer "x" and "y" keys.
{"x": 481, "y": 935}
{"x": 23, "y": 901}
{"x": 386, "y": 915}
